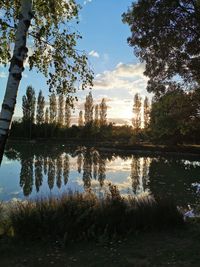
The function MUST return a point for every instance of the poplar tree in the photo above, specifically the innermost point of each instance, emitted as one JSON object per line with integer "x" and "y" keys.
{"x": 61, "y": 103}
{"x": 96, "y": 115}
{"x": 80, "y": 119}
{"x": 40, "y": 108}
{"x": 67, "y": 114}
{"x": 47, "y": 115}
{"x": 103, "y": 112}
{"x": 53, "y": 53}
{"x": 53, "y": 108}
{"x": 136, "y": 121}
{"x": 146, "y": 112}
{"x": 28, "y": 105}
{"x": 89, "y": 109}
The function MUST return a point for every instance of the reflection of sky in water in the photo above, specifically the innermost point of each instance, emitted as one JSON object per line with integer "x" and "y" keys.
{"x": 132, "y": 175}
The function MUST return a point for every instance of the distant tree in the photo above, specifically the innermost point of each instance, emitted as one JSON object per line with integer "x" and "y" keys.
{"x": 67, "y": 114}
{"x": 136, "y": 121}
{"x": 89, "y": 109}
{"x": 147, "y": 109}
{"x": 80, "y": 119}
{"x": 61, "y": 114}
{"x": 103, "y": 113}
{"x": 47, "y": 115}
{"x": 28, "y": 105}
{"x": 166, "y": 35}
{"x": 40, "y": 108}
{"x": 96, "y": 115}
{"x": 53, "y": 108}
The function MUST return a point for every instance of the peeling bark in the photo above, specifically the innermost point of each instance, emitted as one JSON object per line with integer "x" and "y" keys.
{"x": 15, "y": 72}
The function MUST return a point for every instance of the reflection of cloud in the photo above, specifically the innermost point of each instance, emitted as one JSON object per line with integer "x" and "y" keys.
{"x": 94, "y": 54}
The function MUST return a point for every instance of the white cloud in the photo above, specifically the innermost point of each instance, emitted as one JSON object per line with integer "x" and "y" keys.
{"x": 94, "y": 54}
{"x": 87, "y": 1}
{"x": 3, "y": 74}
{"x": 123, "y": 76}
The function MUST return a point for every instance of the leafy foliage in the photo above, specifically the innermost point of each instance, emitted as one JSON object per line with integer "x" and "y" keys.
{"x": 52, "y": 43}
{"x": 166, "y": 35}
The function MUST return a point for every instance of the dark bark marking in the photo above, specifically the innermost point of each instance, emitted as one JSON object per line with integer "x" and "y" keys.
{"x": 7, "y": 107}
{"x": 17, "y": 76}
{"x": 6, "y": 120}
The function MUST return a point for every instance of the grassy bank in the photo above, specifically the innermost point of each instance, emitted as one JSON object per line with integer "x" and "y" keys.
{"x": 75, "y": 217}
{"x": 82, "y": 230}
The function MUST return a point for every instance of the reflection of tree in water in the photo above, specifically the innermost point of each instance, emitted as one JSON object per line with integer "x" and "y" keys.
{"x": 66, "y": 169}
{"x": 87, "y": 169}
{"x": 38, "y": 172}
{"x": 173, "y": 178}
{"x": 26, "y": 175}
{"x": 59, "y": 165}
{"x": 95, "y": 159}
{"x": 140, "y": 174}
{"x": 51, "y": 173}
{"x": 135, "y": 174}
{"x": 102, "y": 171}
{"x": 79, "y": 162}
{"x": 145, "y": 173}
{"x": 45, "y": 165}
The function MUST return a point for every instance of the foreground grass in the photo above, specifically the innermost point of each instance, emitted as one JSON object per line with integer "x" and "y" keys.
{"x": 75, "y": 217}
{"x": 179, "y": 247}
{"x": 81, "y": 230}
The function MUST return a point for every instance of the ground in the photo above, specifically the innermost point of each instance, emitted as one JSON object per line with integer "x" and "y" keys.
{"x": 178, "y": 247}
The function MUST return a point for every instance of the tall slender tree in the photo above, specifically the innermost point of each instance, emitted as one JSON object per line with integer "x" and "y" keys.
{"x": 96, "y": 115}
{"x": 146, "y": 112}
{"x": 53, "y": 108}
{"x": 54, "y": 51}
{"x": 136, "y": 121}
{"x": 67, "y": 114}
{"x": 80, "y": 119}
{"x": 47, "y": 115}
{"x": 40, "y": 108}
{"x": 61, "y": 114}
{"x": 103, "y": 112}
{"x": 28, "y": 105}
{"x": 89, "y": 109}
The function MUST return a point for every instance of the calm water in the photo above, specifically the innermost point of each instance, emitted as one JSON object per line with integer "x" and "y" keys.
{"x": 30, "y": 171}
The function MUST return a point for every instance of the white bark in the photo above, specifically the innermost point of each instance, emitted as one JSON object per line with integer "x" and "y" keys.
{"x": 16, "y": 69}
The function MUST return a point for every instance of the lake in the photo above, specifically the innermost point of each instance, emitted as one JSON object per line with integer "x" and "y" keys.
{"x": 38, "y": 170}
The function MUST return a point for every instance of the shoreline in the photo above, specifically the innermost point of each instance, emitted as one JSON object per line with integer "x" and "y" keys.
{"x": 142, "y": 148}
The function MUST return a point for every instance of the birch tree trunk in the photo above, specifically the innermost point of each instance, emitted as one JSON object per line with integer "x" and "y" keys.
{"x": 15, "y": 72}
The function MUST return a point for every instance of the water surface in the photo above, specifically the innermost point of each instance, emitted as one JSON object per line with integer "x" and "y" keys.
{"x": 38, "y": 170}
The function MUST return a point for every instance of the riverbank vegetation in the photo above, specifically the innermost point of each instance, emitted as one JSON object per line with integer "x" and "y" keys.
{"x": 75, "y": 216}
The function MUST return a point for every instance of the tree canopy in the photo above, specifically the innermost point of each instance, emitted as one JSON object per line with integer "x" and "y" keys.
{"x": 52, "y": 42}
{"x": 166, "y": 36}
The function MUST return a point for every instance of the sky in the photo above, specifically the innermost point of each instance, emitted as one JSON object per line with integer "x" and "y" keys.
{"x": 118, "y": 73}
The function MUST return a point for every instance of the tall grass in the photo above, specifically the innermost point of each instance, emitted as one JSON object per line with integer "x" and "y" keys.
{"x": 85, "y": 217}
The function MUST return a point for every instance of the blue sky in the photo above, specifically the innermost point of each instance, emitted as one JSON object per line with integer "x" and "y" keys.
{"x": 118, "y": 73}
